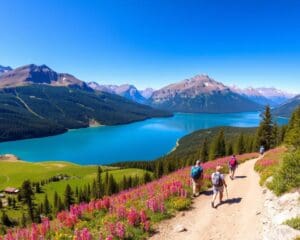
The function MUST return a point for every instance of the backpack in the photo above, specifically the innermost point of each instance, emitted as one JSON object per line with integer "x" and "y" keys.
{"x": 232, "y": 162}
{"x": 196, "y": 172}
{"x": 217, "y": 180}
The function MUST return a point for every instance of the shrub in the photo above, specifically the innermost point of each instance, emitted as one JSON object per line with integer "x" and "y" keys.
{"x": 179, "y": 203}
{"x": 294, "y": 223}
{"x": 287, "y": 176}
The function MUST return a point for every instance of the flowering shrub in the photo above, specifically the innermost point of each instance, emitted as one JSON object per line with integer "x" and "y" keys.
{"x": 268, "y": 164}
{"x": 125, "y": 215}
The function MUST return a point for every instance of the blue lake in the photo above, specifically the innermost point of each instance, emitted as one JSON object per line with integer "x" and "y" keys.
{"x": 145, "y": 140}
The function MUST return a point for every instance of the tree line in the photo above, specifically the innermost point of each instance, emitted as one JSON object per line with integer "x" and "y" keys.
{"x": 103, "y": 185}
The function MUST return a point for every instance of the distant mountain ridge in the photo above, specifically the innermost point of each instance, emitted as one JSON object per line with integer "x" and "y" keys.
{"x": 36, "y": 101}
{"x": 4, "y": 69}
{"x": 264, "y": 96}
{"x": 125, "y": 90}
{"x": 286, "y": 109}
{"x": 35, "y": 74}
{"x": 201, "y": 94}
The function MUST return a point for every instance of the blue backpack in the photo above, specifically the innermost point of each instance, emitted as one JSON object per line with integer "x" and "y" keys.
{"x": 196, "y": 172}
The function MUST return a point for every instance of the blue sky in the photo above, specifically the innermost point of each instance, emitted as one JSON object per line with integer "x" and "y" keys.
{"x": 157, "y": 42}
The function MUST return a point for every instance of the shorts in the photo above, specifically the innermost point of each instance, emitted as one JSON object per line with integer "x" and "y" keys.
{"x": 218, "y": 189}
{"x": 232, "y": 168}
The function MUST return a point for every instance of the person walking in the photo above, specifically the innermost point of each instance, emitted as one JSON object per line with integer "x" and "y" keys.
{"x": 196, "y": 178}
{"x": 218, "y": 183}
{"x": 262, "y": 150}
{"x": 232, "y": 164}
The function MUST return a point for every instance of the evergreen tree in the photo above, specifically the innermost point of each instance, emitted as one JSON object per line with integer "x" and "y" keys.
{"x": 47, "y": 207}
{"x": 38, "y": 188}
{"x": 99, "y": 184}
{"x": 147, "y": 178}
{"x": 124, "y": 184}
{"x": 293, "y": 130}
{"x": 159, "y": 169}
{"x": 68, "y": 197}
{"x": 27, "y": 196}
{"x": 218, "y": 147}
{"x": 240, "y": 145}
{"x": 55, "y": 201}
{"x": 265, "y": 130}
{"x": 6, "y": 220}
{"x": 229, "y": 148}
{"x": 204, "y": 151}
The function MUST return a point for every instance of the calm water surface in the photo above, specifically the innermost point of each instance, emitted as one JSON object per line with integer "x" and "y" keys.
{"x": 144, "y": 140}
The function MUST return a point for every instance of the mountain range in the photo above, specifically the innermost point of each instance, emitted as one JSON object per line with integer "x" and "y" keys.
{"x": 201, "y": 94}
{"x": 126, "y": 90}
{"x": 4, "y": 69}
{"x": 285, "y": 109}
{"x": 36, "y": 101}
{"x": 264, "y": 96}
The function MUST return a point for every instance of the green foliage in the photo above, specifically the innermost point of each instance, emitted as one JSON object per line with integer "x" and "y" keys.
{"x": 217, "y": 147}
{"x": 265, "y": 134}
{"x": 287, "y": 176}
{"x": 68, "y": 197}
{"x": 194, "y": 146}
{"x": 179, "y": 203}
{"x": 294, "y": 223}
{"x": 27, "y": 195}
{"x": 293, "y": 130}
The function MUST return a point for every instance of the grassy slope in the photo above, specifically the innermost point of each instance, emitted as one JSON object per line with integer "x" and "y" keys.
{"x": 14, "y": 173}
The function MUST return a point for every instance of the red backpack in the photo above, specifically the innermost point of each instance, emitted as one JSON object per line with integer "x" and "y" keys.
{"x": 232, "y": 162}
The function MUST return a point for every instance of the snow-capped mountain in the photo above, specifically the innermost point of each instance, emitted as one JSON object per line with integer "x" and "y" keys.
{"x": 264, "y": 95}
{"x": 201, "y": 94}
{"x": 125, "y": 90}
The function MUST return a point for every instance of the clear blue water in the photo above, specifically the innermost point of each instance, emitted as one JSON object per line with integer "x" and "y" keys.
{"x": 145, "y": 140}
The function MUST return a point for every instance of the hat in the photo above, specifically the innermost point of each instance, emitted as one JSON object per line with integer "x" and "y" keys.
{"x": 218, "y": 168}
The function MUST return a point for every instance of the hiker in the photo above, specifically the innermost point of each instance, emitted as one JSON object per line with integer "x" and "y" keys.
{"x": 262, "y": 150}
{"x": 218, "y": 183}
{"x": 232, "y": 164}
{"x": 196, "y": 177}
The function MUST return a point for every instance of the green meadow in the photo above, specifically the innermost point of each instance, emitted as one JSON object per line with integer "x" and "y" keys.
{"x": 12, "y": 174}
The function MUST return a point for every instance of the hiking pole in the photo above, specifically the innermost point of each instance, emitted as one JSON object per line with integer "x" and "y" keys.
{"x": 226, "y": 192}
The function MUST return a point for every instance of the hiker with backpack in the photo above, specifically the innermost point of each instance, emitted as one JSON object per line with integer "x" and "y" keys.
{"x": 196, "y": 178}
{"x": 232, "y": 164}
{"x": 218, "y": 183}
{"x": 262, "y": 150}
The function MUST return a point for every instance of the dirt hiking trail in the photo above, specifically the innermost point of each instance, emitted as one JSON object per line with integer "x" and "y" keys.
{"x": 239, "y": 217}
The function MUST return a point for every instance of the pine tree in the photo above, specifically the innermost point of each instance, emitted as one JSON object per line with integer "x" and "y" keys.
{"x": 293, "y": 130}
{"x": 47, "y": 207}
{"x": 218, "y": 148}
{"x": 55, "y": 201}
{"x": 124, "y": 184}
{"x": 159, "y": 169}
{"x": 240, "y": 145}
{"x": 99, "y": 184}
{"x": 27, "y": 196}
{"x": 265, "y": 130}
{"x": 68, "y": 197}
{"x": 147, "y": 178}
{"x": 204, "y": 151}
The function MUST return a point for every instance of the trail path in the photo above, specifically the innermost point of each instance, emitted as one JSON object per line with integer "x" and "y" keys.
{"x": 238, "y": 218}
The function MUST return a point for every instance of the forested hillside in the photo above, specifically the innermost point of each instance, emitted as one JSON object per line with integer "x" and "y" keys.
{"x": 41, "y": 110}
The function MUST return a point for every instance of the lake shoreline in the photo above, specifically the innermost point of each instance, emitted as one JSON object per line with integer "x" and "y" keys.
{"x": 137, "y": 141}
